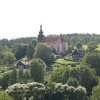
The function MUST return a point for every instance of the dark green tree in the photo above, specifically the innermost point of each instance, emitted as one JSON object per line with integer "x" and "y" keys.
{"x": 93, "y": 60}
{"x": 20, "y": 51}
{"x": 4, "y": 80}
{"x": 37, "y": 70}
{"x": 72, "y": 82}
{"x": 79, "y": 45}
{"x": 88, "y": 78}
{"x": 30, "y": 51}
{"x": 44, "y": 52}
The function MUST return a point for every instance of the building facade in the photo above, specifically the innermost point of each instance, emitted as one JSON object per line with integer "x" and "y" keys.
{"x": 56, "y": 42}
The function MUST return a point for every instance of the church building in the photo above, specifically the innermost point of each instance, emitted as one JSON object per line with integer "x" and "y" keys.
{"x": 56, "y": 42}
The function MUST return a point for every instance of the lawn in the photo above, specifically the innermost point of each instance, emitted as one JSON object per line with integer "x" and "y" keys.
{"x": 85, "y": 47}
{"x": 65, "y": 62}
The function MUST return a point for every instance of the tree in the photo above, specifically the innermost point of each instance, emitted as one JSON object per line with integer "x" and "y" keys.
{"x": 93, "y": 60}
{"x": 9, "y": 58}
{"x": 37, "y": 70}
{"x": 92, "y": 47}
{"x": 82, "y": 75}
{"x": 20, "y": 75}
{"x": 44, "y": 52}
{"x": 78, "y": 45}
{"x": 5, "y": 79}
{"x": 20, "y": 51}
{"x": 73, "y": 82}
{"x": 13, "y": 77}
{"x": 80, "y": 93}
{"x": 4, "y": 96}
{"x": 34, "y": 42}
{"x": 30, "y": 51}
{"x": 88, "y": 78}
{"x": 96, "y": 93}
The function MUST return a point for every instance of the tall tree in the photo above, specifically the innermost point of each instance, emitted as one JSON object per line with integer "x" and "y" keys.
{"x": 44, "y": 52}
{"x": 13, "y": 77}
{"x": 20, "y": 51}
{"x": 96, "y": 93}
{"x": 9, "y": 58}
{"x": 93, "y": 60}
{"x": 30, "y": 51}
{"x": 37, "y": 70}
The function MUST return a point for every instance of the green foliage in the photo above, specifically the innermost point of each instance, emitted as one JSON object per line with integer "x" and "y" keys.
{"x": 92, "y": 47}
{"x": 20, "y": 75}
{"x": 37, "y": 70}
{"x": 13, "y": 77}
{"x": 9, "y": 58}
{"x": 30, "y": 51}
{"x": 4, "y": 79}
{"x": 72, "y": 82}
{"x": 96, "y": 93}
{"x": 93, "y": 60}
{"x": 39, "y": 91}
{"x": 79, "y": 45}
{"x": 80, "y": 93}
{"x": 44, "y": 52}
{"x": 88, "y": 78}
{"x": 34, "y": 42}
{"x": 81, "y": 75}
{"x": 20, "y": 91}
{"x": 66, "y": 62}
{"x": 4, "y": 96}
{"x": 20, "y": 51}
{"x": 58, "y": 75}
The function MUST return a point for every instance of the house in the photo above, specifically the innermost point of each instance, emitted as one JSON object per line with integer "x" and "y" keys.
{"x": 55, "y": 41}
{"x": 77, "y": 54}
{"x": 23, "y": 64}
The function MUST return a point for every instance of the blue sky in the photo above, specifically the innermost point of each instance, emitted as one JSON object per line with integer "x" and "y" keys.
{"x": 22, "y": 18}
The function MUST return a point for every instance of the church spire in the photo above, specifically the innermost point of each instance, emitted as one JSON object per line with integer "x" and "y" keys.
{"x": 41, "y": 32}
{"x": 41, "y": 37}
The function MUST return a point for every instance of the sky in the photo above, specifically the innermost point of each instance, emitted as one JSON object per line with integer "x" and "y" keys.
{"x": 22, "y": 18}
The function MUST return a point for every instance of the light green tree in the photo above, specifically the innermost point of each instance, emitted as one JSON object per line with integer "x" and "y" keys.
{"x": 4, "y": 96}
{"x": 95, "y": 93}
{"x": 92, "y": 47}
{"x": 9, "y": 58}
{"x": 13, "y": 77}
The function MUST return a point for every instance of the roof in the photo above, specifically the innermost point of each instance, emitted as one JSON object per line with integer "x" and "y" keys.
{"x": 55, "y": 39}
{"x": 25, "y": 62}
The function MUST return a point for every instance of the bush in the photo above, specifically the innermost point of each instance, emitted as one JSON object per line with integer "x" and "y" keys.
{"x": 4, "y": 96}
{"x": 40, "y": 91}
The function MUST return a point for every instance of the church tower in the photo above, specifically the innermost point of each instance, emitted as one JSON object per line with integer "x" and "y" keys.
{"x": 41, "y": 37}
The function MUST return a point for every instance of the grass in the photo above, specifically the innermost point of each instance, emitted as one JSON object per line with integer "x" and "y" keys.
{"x": 98, "y": 49}
{"x": 85, "y": 47}
{"x": 65, "y": 62}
